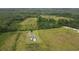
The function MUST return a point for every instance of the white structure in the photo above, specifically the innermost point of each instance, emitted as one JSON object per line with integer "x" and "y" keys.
{"x": 32, "y": 36}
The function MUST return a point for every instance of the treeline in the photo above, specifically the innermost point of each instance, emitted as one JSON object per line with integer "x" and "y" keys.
{"x": 44, "y": 23}
{"x": 9, "y": 21}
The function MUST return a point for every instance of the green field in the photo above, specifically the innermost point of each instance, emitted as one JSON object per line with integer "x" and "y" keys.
{"x": 47, "y": 40}
{"x": 39, "y": 30}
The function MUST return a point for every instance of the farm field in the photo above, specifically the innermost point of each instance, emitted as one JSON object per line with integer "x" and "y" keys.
{"x": 47, "y": 40}
{"x": 39, "y": 29}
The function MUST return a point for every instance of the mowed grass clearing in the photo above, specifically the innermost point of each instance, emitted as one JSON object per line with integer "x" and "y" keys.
{"x": 56, "y": 39}
{"x": 28, "y": 23}
{"x": 56, "y": 17}
{"x": 60, "y": 39}
{"x": 7, "y": 41}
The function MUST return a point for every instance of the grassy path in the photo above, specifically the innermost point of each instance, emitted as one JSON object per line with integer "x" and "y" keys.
{"x": 24, "y": 43}
{"x": 21, "y": 42}
{"x": 42, "y": 43}
{"x": 14, "y": 46}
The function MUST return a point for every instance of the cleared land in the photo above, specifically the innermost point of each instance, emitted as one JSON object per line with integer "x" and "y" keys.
{"x": 7, "y": 41}
{"x": 49, "y": 39}
{"x": 60, "y": 39}
{"x": 56, "y": 17}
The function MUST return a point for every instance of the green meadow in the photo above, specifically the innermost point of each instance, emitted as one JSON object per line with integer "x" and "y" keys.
{"x": 24, "y": 30}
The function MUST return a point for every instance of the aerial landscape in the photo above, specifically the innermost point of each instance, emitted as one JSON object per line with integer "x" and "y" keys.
{"x": 39, "y": 29}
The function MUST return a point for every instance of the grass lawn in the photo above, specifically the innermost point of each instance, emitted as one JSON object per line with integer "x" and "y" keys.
{"x": 28, "y": 23}
{"x": 56, "y": 39}
{"x": 60, "y": 39}
{"x": 7, "y": 41}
